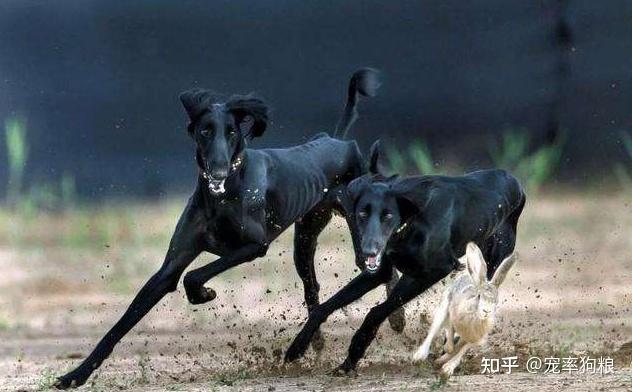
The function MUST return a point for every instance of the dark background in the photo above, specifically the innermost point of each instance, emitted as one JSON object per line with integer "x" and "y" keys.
{"x": 98, "y": 81}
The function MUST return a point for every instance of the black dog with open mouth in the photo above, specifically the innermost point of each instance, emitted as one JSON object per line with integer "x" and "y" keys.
{"x": 419, "y": 225}
{"x": 244, "y": 199}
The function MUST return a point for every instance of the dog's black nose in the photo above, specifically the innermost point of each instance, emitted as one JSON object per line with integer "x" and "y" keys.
{"x": 370, "y": 250}
{"x": 219, "y": 173}
{"x": 370, "y": 246}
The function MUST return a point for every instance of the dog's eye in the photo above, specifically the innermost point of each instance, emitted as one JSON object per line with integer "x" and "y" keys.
{"x": 205, "y": 132}
{"x": 388, "y": 216}
{"x": 363, "y": 214}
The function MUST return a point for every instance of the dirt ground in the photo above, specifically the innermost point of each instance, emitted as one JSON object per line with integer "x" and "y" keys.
{"x": 66, "y": 278}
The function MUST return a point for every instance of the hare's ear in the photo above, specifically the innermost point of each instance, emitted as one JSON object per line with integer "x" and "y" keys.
{"x": 357, "y": 187}
{"x": 503, "y": 269}
{"x": 475, "y": 262}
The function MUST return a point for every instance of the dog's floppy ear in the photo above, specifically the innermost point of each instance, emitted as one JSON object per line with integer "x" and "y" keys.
{"x": 195, "y": 101}
{"x": 407, "y": 207}
{"x": 251, "y": 115}
{"x": 406, "y": 203}
{"x": 356, "y": 187}
{"x": 374, "y": 158}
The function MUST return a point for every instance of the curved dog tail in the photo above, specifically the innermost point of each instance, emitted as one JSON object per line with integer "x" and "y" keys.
{"x": 364, "y": 82}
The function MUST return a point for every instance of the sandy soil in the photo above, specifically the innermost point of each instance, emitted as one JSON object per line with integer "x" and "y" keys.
{"x": 569, "y": 296}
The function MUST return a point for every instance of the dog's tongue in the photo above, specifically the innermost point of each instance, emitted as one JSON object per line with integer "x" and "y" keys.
{"x": 216, "y": 186}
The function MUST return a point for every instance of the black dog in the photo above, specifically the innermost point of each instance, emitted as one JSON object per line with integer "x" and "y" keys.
{"x": 420, "y": 225}
{"x": 245, "y": 199}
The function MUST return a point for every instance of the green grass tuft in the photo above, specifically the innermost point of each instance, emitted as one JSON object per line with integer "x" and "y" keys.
{"x": 621, "y": 171}
{"x": 46, "y": 380}
{"x": 49, "y": 196}
{"x": 533, "y": 168}
{"x": 417, "y": 157}
{"x": 17, "y": 154}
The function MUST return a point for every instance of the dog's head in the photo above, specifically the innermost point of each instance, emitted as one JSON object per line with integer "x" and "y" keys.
{"x": 379, "y": 210}
{"x": 221, "y": 130}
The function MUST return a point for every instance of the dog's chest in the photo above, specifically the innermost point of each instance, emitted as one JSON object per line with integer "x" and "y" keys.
{"x": 232, "y": 223}
{"x": 223, "y": 235}
{"x": 405, "y": 251}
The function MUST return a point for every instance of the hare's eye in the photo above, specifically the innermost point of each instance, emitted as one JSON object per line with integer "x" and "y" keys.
{"x": 388, "y": 216}
{"x": 363, "y": 214}
{"x": 205, "y": 132}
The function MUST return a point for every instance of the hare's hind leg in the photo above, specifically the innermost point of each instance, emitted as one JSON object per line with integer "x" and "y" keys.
{"x": 439, "y": 320}
{"x": 448, "y": 367}
{"x": 448, "y": 347}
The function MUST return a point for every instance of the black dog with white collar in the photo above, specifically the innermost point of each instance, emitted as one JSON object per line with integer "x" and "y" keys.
{"x": 419, "y": 225}
{"x": 244, "y": 199}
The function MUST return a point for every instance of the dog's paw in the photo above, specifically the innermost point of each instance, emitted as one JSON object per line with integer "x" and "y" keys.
{"x": 201, "y": 295}
{"x": 344, "y": 371}
{"x": 397, "y": 320}
{"x": 296, "y": 350}
{"x": 71, "y": 380}
{"x": 318, "y": 341}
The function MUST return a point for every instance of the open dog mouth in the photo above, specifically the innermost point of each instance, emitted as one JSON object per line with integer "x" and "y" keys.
{"x": 214, "y": 186}
{"x": 373, "y": 262}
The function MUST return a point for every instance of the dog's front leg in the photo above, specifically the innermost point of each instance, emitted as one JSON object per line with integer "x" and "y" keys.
{"x": 406, "y": 289}
{"x": 355, "y": 289}
{"x": 397, "y": 319}
{"x": 194, "y": 280}
{"x": 183, "y": 249}
{"x": 255, "y": 242}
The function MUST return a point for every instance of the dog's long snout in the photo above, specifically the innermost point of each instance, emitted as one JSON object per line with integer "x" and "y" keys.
{"x": 218, "y": 157}
{"x": 372, "y": 240}
{"x": 370, "y": 247}
{"x": 219, "y": 171}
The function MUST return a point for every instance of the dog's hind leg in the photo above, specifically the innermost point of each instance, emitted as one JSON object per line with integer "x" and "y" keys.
{"x": 306, "y": 234}
{"x": 397, "y": 319}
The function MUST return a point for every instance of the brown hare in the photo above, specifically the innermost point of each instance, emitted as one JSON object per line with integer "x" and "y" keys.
{"x": 467, "y": 310}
